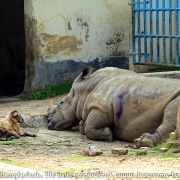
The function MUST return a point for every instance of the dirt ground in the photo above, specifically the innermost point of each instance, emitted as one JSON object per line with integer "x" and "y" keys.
{"x": 68, "y": 160}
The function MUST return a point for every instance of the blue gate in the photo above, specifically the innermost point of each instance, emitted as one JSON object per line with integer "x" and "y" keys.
{"x": 155, "y": 32}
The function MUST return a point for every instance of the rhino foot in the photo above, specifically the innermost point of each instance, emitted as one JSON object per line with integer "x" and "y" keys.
{"x": 104, "y": 134}
{"x": 146, "y": 140}
{"x": 81, "y": 129}
{"x": 108, "y": 134}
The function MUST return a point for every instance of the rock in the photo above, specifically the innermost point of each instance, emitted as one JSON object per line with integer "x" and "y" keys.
{"x": 175, "y": 142}
{"x": 134, "y": 147}
{"x": 173, "y": 135}
{"x": 119, "y": 151}
{"x": 96, "y": 152}
{"x": 163, "y": 149}
{"x": 86, "y": 152}
{"x": 92, "y": 153}
{"x": 130, "y": 146}
{"x": 175, "y": 151}
{"x": 145, "y": 148}
{"x": 142, "y": 152}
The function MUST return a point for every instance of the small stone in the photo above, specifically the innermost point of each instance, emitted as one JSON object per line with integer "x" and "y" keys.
{"x": 92, "y": 153}
{"x": 145, "y": 148}
{"x": 142, "y": 152}
{"x": 175, "y": 151}
{"x": 175, "y": 142}
{"x": 130, "y": 146}
{"x": 163, "y": 149}
{"x": 134, "y": 147}
{"x": 86, "y": 152}
{"x": 96, "y": 152}
{"x": 119, "y": 151}
{"x": 173, "y": 134}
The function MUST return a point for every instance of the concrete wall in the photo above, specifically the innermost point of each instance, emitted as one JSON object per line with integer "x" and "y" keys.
{"x": 63, "y": 36}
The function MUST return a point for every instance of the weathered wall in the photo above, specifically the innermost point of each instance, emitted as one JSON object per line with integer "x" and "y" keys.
{"x": 63, "y": 36}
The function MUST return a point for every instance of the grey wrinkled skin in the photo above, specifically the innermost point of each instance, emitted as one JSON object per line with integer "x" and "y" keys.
{"x": 115, "y": 103}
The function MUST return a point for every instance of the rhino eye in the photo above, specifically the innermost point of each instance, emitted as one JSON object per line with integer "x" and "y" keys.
{"x": 61, "y": 102}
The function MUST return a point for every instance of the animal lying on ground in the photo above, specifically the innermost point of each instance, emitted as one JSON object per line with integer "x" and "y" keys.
{"x": 9, "y": 127}
{"x": 116, "y": 103}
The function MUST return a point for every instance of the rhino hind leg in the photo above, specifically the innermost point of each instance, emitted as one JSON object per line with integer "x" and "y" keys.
{"x": 162, "y": 132}
{"x": 97, "y": 126}
{"x": 146, "y": 140}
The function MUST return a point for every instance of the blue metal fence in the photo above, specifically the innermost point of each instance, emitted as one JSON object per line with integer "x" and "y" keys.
{"x": 155, "y": 32}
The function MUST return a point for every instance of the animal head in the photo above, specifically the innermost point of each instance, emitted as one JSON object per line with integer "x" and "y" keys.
{"x": 63, "y": 116}
{"x": 15, "y": 115}
{"x": 51, "y": 107}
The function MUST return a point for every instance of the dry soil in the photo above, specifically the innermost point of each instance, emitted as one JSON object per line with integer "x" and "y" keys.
{"x": 68, "y": 160}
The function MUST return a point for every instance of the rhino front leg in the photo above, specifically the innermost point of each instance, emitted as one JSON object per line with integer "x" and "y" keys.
{"x": 97, "y": 126}
{"x": 162, "y": 133}
{"x": 81, "y": 127}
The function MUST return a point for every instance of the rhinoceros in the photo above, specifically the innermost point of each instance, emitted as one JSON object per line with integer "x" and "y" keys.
{"x": 114, "y": 103}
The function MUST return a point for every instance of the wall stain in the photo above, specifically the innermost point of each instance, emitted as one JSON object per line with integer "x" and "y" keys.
{"x": 87, "y": 35}
{"x": 105, "y": 3}
{"x": 69, "y": 26}
{"x": 59, "y": 16}
{"x": 83, "y": 25}
{"x": 32, "y": 51}
{"x": 113, "y": 43}
{"x": 79, "y": 21}
{"x": 116, "y": 37}
{"x": 56, "y": 44}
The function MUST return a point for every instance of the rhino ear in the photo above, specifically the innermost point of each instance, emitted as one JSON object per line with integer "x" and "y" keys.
{"x": 87, "y": 71}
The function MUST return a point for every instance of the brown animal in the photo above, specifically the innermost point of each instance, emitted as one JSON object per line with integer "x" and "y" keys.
{"x": 9, "y": 127}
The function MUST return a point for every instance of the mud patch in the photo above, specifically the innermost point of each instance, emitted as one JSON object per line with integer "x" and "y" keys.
{"x": 56, "y": 44}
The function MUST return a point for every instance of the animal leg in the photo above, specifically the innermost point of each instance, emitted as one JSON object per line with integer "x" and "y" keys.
{"x": 162, "y": 133}
{"x": 13, "y": 134}
{"x": 3, "y": 139}
{"x": 29, "y": 135}
{"x": 81, "y": 127}
{"x": 97, "y": 126}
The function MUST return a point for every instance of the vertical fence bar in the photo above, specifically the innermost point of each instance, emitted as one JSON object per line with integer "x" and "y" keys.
{"x": 151, "y": 33}
{"x": 157, "y": 31}
{"x": 133, "y": 33}
{"x": 164, "y": 30}
{"x": 145, "y": 34}
{"x": 170, "y": 32}
{"x": 139, "y": 32}
{"x": 177, "y": 32}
